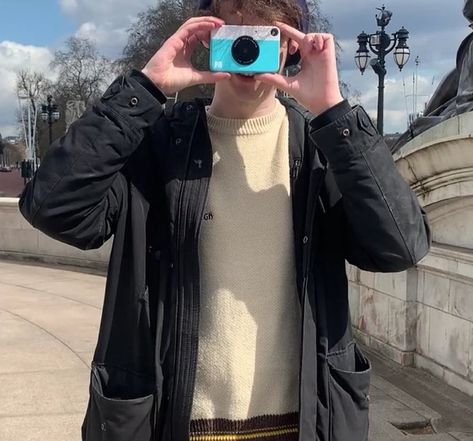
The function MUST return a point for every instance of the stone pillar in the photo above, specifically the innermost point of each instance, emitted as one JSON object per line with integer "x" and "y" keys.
{"x": 424, "y": 316}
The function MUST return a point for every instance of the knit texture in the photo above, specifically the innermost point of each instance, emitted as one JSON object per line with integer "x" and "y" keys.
{"x": 249, "y": 334}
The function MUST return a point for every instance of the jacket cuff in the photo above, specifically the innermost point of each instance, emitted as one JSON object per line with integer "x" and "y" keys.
{"x": 331, "y": 114}
{"x": 351, "y": 134}
{"x": 148, "y": 85}
{"x": 129, "y": 98}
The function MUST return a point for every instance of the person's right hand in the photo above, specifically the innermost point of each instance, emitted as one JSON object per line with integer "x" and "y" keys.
{"x": 171, "y": 69}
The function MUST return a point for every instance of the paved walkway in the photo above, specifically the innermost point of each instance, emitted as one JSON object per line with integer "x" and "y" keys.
{"x": 48, "y": 328}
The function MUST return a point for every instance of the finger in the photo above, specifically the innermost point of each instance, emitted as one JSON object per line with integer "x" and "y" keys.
{"x": 204, "y": 38}
{"x": 318, "y": 42}
{"x": 293, "y": 47}
{"x": 290, "y": 32}
{"x": 204, "y": 77}
{"x": 329, "y": 41}
{"x": 311, "y": 42}
{"x": 187, "y": 31}
{"x": 191, "y": 44}
{"x": 276, "y": 80}
{"x": 213, "y": 19}
{"x": 194, "y": 40}
{"x": 323, "y": 41}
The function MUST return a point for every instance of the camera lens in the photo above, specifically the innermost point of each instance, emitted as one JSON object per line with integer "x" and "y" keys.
{"x": 245, "y": 50}
{"x": 274, "y": 32}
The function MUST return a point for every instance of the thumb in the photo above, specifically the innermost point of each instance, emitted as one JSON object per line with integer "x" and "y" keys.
{"x": 276, "y": 80}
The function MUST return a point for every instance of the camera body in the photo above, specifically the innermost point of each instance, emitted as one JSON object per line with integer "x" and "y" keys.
{"x": 245, "y": 49}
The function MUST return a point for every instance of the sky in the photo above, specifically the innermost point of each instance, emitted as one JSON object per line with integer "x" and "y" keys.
{"x": 31, "y": 30}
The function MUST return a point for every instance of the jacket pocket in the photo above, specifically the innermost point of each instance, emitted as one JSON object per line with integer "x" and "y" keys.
{"x": 121, "y": 406}
{"x": 349, "y": 380}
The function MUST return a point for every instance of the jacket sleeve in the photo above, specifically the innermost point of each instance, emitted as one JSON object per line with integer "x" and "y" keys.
{"x": 78, "y": 190}
{"x": 385, "y": 228}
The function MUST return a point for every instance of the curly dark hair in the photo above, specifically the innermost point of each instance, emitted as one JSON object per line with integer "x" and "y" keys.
{"x": 286, "y": 11}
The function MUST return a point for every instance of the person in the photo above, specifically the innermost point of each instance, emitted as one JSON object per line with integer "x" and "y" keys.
{"x": 226, "y": 309}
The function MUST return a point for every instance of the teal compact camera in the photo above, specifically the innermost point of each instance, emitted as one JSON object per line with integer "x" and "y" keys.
{"x": 245, "y": 49}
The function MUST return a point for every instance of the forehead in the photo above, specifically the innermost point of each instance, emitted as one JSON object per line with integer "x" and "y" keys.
{"x": 231, "y": 16}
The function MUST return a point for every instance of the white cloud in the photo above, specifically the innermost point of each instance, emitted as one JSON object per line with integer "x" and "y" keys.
{"x": 398, "y": 96}
{"x": 14, "y": 57}
{"x": 104, "y": 21}
{"x": 70, "y": 7}
{"x": 108, "y": 41}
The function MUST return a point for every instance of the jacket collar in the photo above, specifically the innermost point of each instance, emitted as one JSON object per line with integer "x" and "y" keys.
{"x": 298, "y": 118}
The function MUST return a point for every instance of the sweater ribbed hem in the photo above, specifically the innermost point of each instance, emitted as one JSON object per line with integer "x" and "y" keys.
{"x": 247, "y": 126}
{"x": 264, "y": 427}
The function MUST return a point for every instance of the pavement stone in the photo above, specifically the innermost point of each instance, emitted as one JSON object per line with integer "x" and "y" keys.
{"x": 462, "y": 436}
{"x": 49, "y": 321}
{"x": 54, "y": 427}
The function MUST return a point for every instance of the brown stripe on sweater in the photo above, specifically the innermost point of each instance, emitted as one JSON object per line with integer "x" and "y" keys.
{"x": 263, "y": 427}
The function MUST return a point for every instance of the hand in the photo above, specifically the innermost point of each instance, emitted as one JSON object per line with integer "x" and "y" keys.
{"x": 171, "y": 69}
{"x": 316, "y": 85}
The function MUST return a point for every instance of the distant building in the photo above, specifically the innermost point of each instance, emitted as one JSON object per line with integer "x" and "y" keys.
{"x": 12, "y": 139}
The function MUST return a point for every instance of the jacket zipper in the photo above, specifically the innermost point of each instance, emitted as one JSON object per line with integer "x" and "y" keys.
{"x": 179, "y": 314}
{"x": 296, "y": 166}
{"x": 195, "y": 310}
{"x": 195, "y": 317}
{"x": 311, "y": 195}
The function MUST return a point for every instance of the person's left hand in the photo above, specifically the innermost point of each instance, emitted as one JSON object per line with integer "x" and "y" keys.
{"x": 316, "y": 86}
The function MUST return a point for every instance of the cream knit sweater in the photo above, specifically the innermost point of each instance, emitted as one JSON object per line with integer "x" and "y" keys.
{"x": 249, "y": 332}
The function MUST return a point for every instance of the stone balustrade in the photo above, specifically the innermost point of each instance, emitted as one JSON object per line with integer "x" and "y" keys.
{"x": 19, "y": 240}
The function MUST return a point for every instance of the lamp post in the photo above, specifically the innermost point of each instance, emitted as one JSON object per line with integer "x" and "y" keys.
{"x": 50, "y": 114}
{"x": 381, "y": 44}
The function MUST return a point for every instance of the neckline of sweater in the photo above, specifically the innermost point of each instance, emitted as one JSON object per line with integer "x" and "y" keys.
{"x": 246, "y": 126}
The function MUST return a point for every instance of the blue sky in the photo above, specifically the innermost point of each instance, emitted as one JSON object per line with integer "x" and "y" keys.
{"x": 36, "y": 22}
{"x": 31, "y": 30}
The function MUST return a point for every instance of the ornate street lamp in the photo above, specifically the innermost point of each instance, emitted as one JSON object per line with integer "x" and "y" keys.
{"x": 381, "y": 44}
{"x": 50, "y": 114}
{"x": 402, "y": 52}
{"x": 362, "y": 54}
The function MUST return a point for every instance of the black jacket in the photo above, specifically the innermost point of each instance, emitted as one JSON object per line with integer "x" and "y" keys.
{"x": 129, "y": 169}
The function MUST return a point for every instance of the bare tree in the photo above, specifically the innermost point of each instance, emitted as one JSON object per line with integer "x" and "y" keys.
{"x": 151, "y": 29}
{"x": 318, "y": 22}
{"x": 32, "y": 87}
{"x": 83, "y": 74}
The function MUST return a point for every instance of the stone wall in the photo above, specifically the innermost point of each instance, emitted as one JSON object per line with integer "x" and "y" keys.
{"x": 19, "y": 240}
{"x": 424, "y": 316}
{"x": 421, "y": 317}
